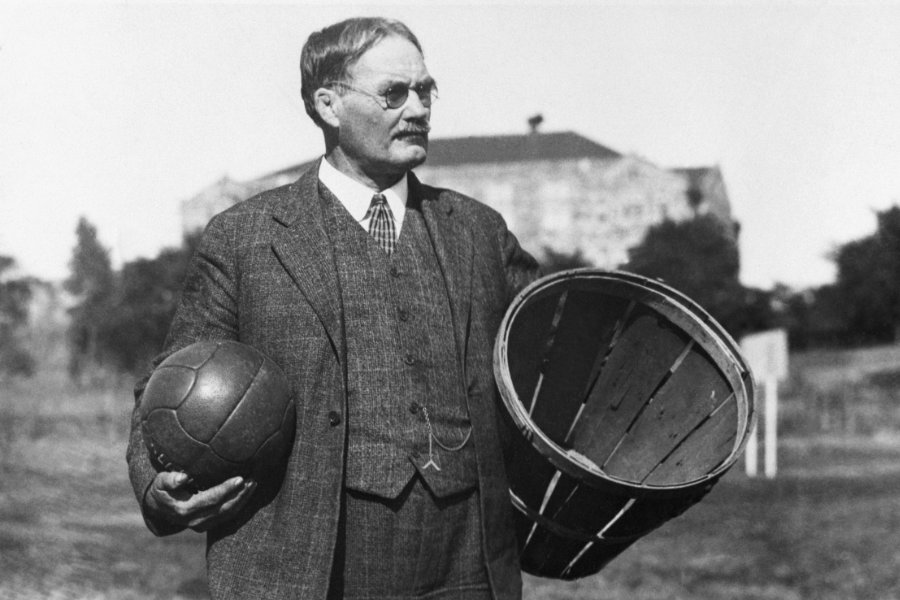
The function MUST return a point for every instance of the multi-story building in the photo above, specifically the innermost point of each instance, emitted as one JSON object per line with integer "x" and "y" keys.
{"x": 558, "y": 191}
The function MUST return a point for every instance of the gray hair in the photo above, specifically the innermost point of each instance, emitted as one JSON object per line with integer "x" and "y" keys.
{"x": 329, "y": 53}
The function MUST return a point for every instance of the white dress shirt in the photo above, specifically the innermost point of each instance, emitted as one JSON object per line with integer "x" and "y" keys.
{"x": 357, "y": 197}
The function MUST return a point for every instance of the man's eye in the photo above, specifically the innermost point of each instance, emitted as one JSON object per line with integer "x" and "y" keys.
{"x": 396, "y": 93}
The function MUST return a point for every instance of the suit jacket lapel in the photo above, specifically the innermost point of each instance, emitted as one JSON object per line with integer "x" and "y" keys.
{"x": 452, "y": 243}
{"x": 305, "y": 251}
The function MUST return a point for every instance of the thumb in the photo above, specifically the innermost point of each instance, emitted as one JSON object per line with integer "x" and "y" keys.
{"x": 171, "y": 480}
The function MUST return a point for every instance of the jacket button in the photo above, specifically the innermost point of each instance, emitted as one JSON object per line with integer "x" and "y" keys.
{"x": 413, "y": 407}
{"x": 395, "y": 272}
{"x": 403, "y": 314}
{"x": 409, "y": 359}
{"x": 334, "y": 417}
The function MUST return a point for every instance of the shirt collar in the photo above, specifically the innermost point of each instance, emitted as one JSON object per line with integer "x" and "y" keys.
{"x": 357, "y": 197}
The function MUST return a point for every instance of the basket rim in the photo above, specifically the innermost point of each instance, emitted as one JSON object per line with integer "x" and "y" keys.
{"x": 665, "y": 300}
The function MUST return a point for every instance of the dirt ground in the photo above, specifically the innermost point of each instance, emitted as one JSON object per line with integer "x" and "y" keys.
{"x": 828, "y": 527}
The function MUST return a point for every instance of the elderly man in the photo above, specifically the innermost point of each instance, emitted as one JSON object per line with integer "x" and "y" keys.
{"x": 380, "y": 298}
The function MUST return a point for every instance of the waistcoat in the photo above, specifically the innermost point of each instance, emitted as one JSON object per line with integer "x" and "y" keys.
{"x": 407, "y": 408}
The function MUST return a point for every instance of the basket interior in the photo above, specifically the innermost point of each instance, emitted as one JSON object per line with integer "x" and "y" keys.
{"x": 624, "y": 383}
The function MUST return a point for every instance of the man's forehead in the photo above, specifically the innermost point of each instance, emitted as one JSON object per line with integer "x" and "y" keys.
{"x": 393, "y": 58}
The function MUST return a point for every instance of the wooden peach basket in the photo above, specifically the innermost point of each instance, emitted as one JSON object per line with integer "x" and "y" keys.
{"x": 625, "y": 401}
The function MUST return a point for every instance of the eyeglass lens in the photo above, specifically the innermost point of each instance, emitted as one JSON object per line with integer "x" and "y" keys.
{"x": 396, "y": 95}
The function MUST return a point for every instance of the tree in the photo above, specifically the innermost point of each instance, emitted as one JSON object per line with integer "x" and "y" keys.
{"x": 560, "y": 261}
{"x": 868, "y": 282}
{"x": 91, "y": 281}
{"x": 145, "y": 302}
{"x": 15, "y": 294}
{"x": 815, "y": 318}
{"x": 121, "y": 319}
{"x": 699, "y": 257}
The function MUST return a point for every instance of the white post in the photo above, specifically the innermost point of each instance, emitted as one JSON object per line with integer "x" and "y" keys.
{"x": 750, "y": 453}
{"x": 771, "y": 443}
{"x": 767, "y": 354}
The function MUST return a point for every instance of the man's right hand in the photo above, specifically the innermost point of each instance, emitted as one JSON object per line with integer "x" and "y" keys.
{"x": 171, "y": 498}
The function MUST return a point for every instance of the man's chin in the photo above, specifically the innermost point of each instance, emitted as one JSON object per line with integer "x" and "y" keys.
{"x": 412, "y": 154}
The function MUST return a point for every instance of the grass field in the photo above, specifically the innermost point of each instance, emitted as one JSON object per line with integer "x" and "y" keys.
{"x": 828, "y": 527}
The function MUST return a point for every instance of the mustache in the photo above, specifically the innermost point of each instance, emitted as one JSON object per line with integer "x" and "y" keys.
{"x": 415, "y": 129}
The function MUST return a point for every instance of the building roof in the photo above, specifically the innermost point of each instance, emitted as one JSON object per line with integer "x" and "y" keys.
{"x": 481, "y": 149}
{"x": 514, "y": 148}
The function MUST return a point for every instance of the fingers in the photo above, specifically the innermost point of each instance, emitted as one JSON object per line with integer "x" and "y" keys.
{"x": 216, "y": 495}
{"x": 170, "y": 480}
{"x": 171, "y": 497}
{"x": 237, "y": 502}
{"x": 163, "y": 494}
{"x": 224, "y": 507}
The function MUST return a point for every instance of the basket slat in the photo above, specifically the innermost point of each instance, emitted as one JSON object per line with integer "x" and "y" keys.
{"x": 687, "y": 398}
{"x": 525, "y": 367}
{"x": 637, "y": 364}
{"x": 583, "y": 332}
{"x": 703, "y": 451}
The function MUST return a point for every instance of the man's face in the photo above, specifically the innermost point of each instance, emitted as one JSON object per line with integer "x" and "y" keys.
{"x": 382, "y": 144}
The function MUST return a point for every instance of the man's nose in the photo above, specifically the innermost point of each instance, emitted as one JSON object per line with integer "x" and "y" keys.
{"x": 414, "y": 108}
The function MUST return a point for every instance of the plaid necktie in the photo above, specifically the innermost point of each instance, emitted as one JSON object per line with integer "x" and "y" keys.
{"x": 381, "y": 223}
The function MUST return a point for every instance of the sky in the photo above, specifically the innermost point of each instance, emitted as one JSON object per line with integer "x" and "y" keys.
{"x": 118, "y": 111}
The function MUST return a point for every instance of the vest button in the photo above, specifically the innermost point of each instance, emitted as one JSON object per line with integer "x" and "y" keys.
{"x": 413, "y": 407}
{"x": 334, "y": 417}
{"x": 395, "y": 272}
{"x": 403, "y": 314}
{"x": 409, "y": 359}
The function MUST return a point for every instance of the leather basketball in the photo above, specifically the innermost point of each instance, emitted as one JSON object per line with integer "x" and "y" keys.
{"x": 217, "y": 409}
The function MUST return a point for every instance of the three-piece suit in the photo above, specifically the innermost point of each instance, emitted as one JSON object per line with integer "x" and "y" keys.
{"x": 359, "y": 335}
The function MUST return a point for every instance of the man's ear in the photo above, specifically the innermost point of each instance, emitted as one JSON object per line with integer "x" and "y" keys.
{"x": 325, "y": 105}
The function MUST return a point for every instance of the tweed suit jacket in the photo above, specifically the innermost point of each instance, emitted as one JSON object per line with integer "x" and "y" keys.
{"x": 264, "y": 274}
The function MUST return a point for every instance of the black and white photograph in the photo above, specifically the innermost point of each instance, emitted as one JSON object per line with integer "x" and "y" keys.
{"x": 540, "y": 300}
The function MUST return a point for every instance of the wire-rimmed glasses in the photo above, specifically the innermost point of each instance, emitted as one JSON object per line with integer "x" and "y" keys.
{"x": 397, "y": 94}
